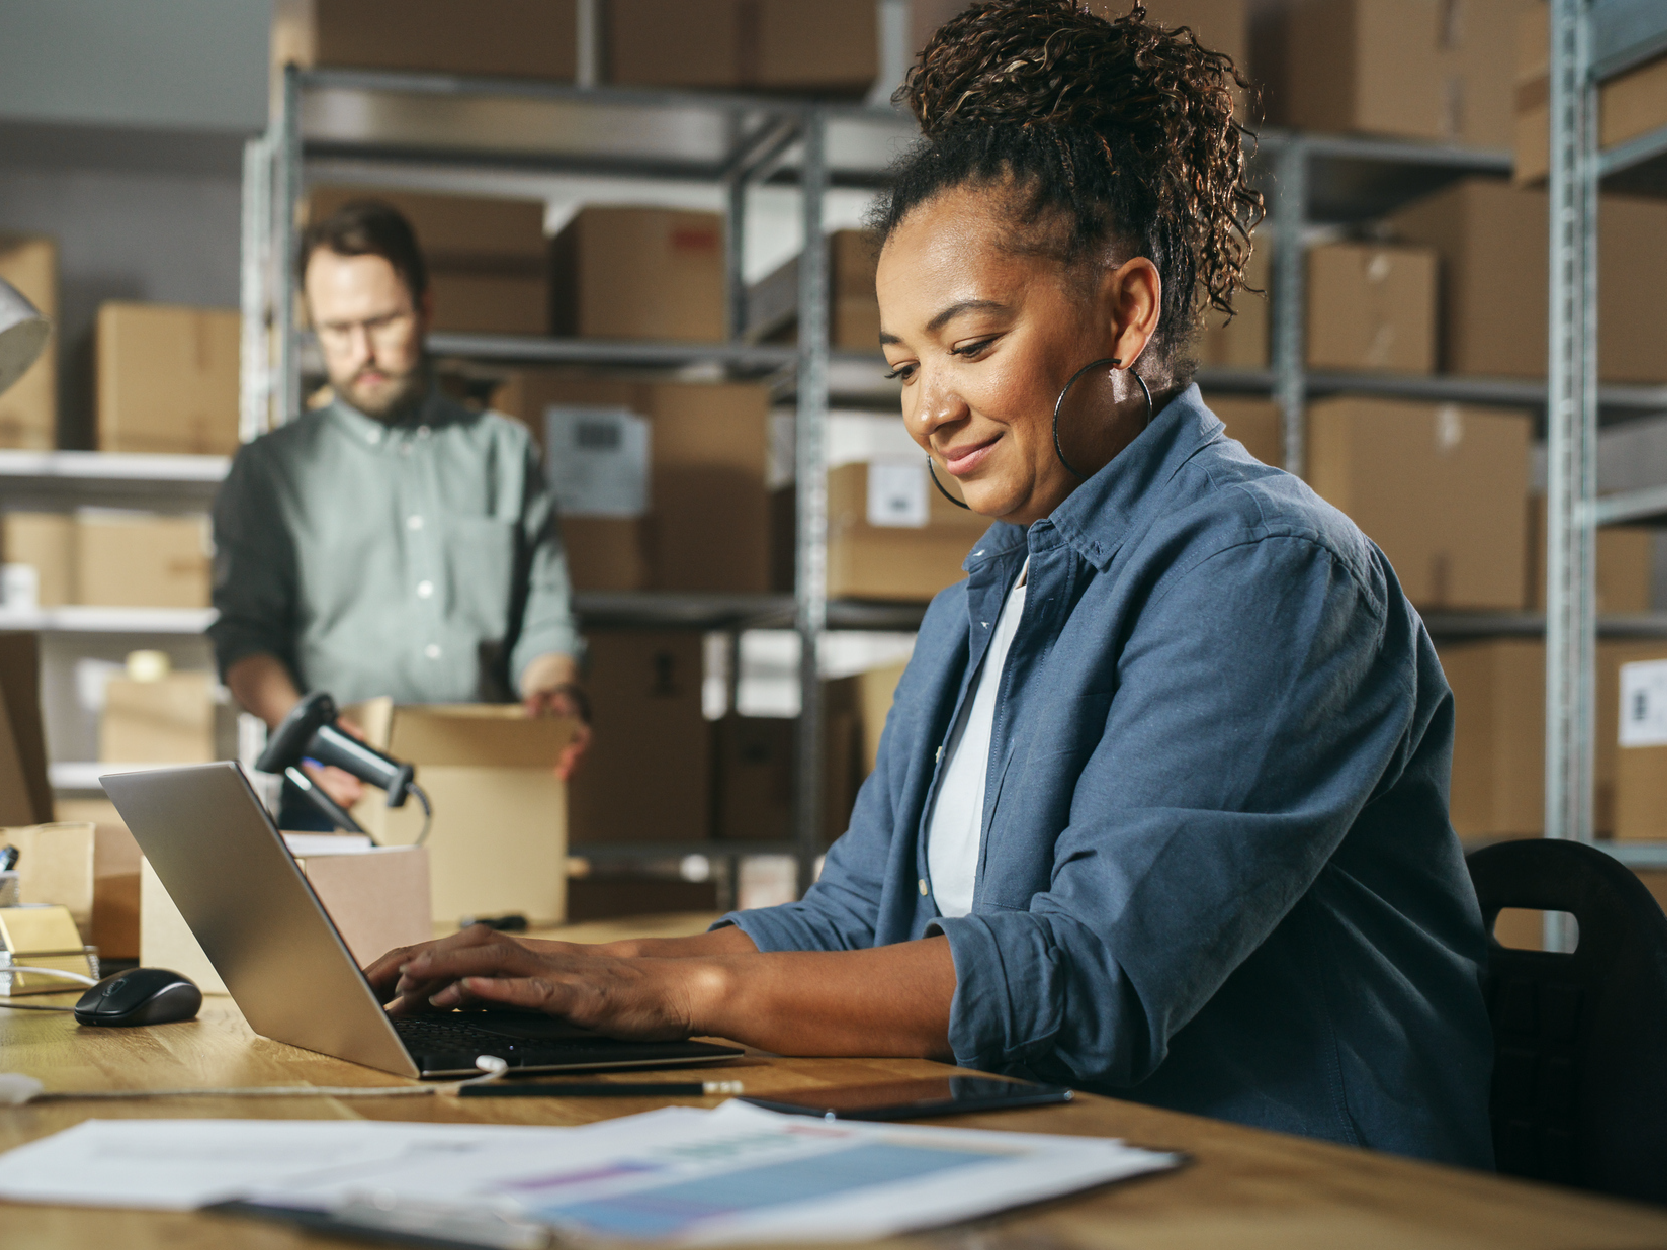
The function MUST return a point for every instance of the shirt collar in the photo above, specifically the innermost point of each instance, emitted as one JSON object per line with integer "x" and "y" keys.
{"x": 1096, "y": 517}
{"x": 436, "y": 410}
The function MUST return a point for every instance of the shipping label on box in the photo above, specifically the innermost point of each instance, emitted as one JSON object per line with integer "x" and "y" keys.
{"x": 598, "y": 460}
{"x": 899, "y": 496}
{"x": 1644, "y": 703}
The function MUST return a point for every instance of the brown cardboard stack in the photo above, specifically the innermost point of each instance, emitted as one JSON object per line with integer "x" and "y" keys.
{"x": 907, "y": 560}
{"x": 1424, "y": 69}
{"x": 499, "y": 837}
{"x": 29, "y": 409}
{"x": 830, "y": 47}
{"x": 45, "y": 542}
{"x": 55, "y": 866}
{"x": 116, "y": 871}
{"x": 1242, "y": 341}
{"x": 1443, "y": 490}
{"x": 708, "y": 528}
{"x": 647, "y": 776}
{"x": 639, "y": 273}
{"x": 1499, "y": 734}
{"x": 1626, "y": 555}
{"x": 513, "y": 38}
{"x": 756, "y": 766}
{"x": 1630, "y": 105}
{"x": 1641, "y": 769}
{"x": 1257, "y": 423}
{"x": 1491, "y": 239}
{"x": 853, "y": 307}
{"x": 487, "y": 267}
{"x": 175, "y": 718}
{"x": 140, "y": 561}
{"x": 167, "y": 378}
{"x": 1371, "y": 308}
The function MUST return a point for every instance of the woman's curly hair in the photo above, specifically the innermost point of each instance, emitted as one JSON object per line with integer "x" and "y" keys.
{"x": 1105, "y": 132}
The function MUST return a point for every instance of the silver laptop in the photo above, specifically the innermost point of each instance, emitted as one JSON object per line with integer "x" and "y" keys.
{"x": 216, "y": 850}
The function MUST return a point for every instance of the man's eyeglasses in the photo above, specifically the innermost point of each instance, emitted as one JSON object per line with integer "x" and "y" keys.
{"x": 386, "y": 330}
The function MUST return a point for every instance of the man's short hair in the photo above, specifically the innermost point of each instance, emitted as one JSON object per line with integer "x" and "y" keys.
{"x": 367, "y": 228}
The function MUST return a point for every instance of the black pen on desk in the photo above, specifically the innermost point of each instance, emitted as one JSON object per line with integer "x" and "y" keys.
{"x": 601, "y": 1089}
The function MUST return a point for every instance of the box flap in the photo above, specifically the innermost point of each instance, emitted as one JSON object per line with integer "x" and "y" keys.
{"x": 477, "y": 735}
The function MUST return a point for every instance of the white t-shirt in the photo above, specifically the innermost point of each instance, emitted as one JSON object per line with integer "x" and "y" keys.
{"x": 958, "y": 812}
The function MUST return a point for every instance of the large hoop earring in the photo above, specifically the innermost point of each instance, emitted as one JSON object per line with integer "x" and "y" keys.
{"x": 932, "y": 473}
{"x": 1059, "y": 404}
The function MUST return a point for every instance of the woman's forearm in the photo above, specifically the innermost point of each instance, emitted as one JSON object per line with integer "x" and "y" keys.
{"x": 892, "y": 1000}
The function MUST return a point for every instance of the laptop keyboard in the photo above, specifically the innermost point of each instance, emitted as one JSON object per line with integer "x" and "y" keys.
{"x": 424, "y": 1036}
{"x": 441, "y": 1044}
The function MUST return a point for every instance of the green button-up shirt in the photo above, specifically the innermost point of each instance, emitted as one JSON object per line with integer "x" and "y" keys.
{"x": 420, "y": 560}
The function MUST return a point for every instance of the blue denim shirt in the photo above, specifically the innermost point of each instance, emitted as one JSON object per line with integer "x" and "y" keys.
{"x": 1217, "y": 873}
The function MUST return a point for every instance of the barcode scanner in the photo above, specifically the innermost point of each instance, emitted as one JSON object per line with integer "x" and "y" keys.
{"x": 310, "y": 732}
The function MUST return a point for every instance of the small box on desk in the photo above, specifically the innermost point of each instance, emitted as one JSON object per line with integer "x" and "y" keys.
{"x": 498, "y": 842}
{"x": 377, "y": 897}
{"x": 168, "y": 378}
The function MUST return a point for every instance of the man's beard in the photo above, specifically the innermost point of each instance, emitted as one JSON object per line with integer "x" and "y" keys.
{"x": 391, "y": 402}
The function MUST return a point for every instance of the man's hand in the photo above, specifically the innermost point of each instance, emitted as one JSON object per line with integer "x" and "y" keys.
{"x": 644, "y": 999}
{"x": 550, "y": 687}
{"x": 342, "y": 786}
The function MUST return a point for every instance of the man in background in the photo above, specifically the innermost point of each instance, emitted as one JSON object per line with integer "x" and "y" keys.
{"x": 392, "y": 541}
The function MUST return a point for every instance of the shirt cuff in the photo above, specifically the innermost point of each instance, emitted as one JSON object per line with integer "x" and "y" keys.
{"x": 781, "y": 928}
{"x": 990, "y": 1026}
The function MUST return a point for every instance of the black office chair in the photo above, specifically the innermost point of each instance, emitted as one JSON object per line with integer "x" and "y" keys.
{"x": 1580, "y": 1040}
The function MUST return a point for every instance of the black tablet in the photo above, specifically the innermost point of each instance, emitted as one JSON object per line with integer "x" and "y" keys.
{"x": 913, "y": 1100}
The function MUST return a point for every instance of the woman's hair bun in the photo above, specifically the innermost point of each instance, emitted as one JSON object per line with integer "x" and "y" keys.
{"x": 1124, "y": 126}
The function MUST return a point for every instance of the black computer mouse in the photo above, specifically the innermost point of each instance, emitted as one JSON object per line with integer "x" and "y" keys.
{"x": 140, "y": 996}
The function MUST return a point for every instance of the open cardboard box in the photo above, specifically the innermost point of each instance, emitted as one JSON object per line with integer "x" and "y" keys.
{"x": 498, "y": 842}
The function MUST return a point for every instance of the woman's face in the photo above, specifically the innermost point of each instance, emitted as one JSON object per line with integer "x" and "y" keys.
{"x": 983, "y": 340}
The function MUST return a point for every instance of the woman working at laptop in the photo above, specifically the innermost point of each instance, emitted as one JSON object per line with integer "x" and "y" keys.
{"x": 1160, "y": 808}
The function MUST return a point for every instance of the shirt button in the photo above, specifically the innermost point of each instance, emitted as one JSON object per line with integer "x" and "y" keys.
{"x": 923, "y": 887}
{"x": 373, "y": 436}
{"x": 425, "y": 590}
{"x": 432, "y": 651}
{"x": 413, "y": 522}
{"x": 422, "y": 431}
{"x": 405, "y": 449}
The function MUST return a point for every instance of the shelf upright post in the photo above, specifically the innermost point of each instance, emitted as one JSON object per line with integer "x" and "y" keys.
{"x": 735, "y": 242}
{"x": 1289, "y": 209}
{"x": 254, "y": 282}
{"x": 588, "y": 40}
{"x": 810, "y": 585}
{"x": 1571, "y": 436}
{"x": 286, "y": 191}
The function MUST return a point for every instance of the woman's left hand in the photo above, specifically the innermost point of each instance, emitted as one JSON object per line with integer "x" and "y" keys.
{"x": 644, "y": 999}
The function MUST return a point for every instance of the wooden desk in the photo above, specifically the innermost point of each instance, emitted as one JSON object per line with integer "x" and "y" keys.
{"x": 1246, "y": 1189}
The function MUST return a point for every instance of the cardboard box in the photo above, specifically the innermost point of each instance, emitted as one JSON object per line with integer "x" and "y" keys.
{"x": 710, "y": 455}
{"x": 1630, "y": 105}
{"x": 1626, "y": 559}
{"x": 648, "y": 774}
{"x": 1499, "y": 749}
{"x": 1371, "y": 308}
{"x": 917, "y": 550}
{"x": 45, "y": 542}
{"x": 498, "y": 842}
{"x": 639, "y": 273}
{"x": 168, "y": 378}
{"x": 756, "y": 758}
{"x": 1257, "y": 423}
{"x": 1492, "y": 241}
{"x": 377, "y": 897}
{"x": 29, "y": 407}
{"x": 1443, "y": 490}
{"x": 608, "y": 553}
{"x": 487, "y": 257}
{"x": 1242, "y": 341}
{"x": 175, "y": 719}
{"x": 135, "y": 560}
{"x": 853, "y": 306}
{"x": 1423, "y": 69}
{"x": 55, "y": 865}
{"x": 1633, "y": 729}
{"x": 828, "y": 48}
{"x": 509, "y": 38}
{"x": 25, "y": 792}
{"x": 116, "y": 861}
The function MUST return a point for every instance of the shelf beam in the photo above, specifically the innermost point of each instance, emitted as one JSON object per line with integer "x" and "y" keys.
{"x": 1630, "y": 507}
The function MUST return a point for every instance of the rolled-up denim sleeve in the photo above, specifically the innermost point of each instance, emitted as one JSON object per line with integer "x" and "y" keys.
{"x": 254, "y": 567}
{"x": 547, "y": 621}
{"x": 1253, "y": 716}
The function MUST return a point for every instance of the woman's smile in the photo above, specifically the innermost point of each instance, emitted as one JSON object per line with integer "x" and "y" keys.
{"x": 966, "y": 456}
